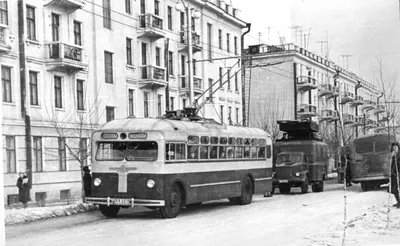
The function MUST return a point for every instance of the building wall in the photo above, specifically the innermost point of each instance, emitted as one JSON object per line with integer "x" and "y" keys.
{"x": 96, "y": 39}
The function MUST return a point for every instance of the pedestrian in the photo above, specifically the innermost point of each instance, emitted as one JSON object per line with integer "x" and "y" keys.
{"x": 87, "y": 181}
{"x": 23, "y": 188}
{"x": 395, "y": 170}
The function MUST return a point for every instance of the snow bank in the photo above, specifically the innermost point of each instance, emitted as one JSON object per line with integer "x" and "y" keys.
{"x": 17, "y": 216}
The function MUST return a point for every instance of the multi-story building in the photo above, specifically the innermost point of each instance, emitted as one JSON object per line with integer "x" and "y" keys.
{"x": 68, "y": 66}
{"x": 288, "y": 82}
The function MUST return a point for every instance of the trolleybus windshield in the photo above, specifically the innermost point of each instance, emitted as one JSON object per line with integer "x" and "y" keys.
{"x": 131, "y": 151}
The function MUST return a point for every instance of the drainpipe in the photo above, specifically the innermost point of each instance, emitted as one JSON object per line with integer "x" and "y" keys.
{"x": 244, "y": 118}
{"x": 24, "y": 104}
{"x": 355, "y": 92}
{"x": 295, "y": 89}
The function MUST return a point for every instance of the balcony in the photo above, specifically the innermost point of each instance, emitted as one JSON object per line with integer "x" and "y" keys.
{"x": 69, "y": 6}
{"x": 328, "y": 115}
{"x": 385, "y": 117}
{"x": 348, "y": 119}
{"x": 65, "y": 58}
{"x": 306, "y": 111}
{"x": 358, "y": 100}
{"x": 150, "y": 26}
{"x": 196, "y": 45}
{"x": 358, "y": 121}
{"x": 306, "y": 83}
{"x": 370, "y": 124}
{"x": 151, "y": 76}
{"x": 328, "y": 91}
{"x": 347, "y": 97}
{"x": 379, "y": 109}
{"x": 184, "y": 85}
{"x": 5, "y": 46}
{"x": 369, "y": 105}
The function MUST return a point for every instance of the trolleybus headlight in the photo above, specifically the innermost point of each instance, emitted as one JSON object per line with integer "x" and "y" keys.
{"x": 151, "y": 183}
{"x": 97, "y": 182}
{"x": 297, "y": 174}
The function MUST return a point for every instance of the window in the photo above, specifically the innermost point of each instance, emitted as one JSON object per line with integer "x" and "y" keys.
{"x": 184, "y": 102}
{"x": 172, "y": 103}
{"x": 169, "y": 13}
{"x": 175, "y": 151}
{"x": 62, "y": 154}
{"x": 236, "y": 83}
{"x": 157, "y": 7}
{"x": 171, "y": 63}
{"x": 222, "y": 114}
{"x": 182, "y": 21}
{"x": 37, "y": 154}
{"x": 10, "y": 154}
{"x": 55, "y": 27}
{"x": 158, "y": 56}
{"x": 209, "y": 40}
{"x": 210, "y": 84}
{"x": 220, "y": 76}
{"x": 6, "y": 81}
{"x": 159, "y": 105}
{"x": 40, "y": 198}
{"x": 79, "y": 94}
{"x": 237, "y": 115}
{"x": 193, "y": 24}
{"x": 108, "y": 67}
{"x": 3, "y": 13}
{"x": 194, "y": 67}
{"x": 235, "y": 45}
{"x": 142, "y": 6}
{"x": 146, "y": 99}
{"x": 230, "y": 114}
{"x": 229, "y": 78}
{"x": 77, "y": 33}
{"x": 131, "y": 102}
{"x": 33, "y": 87}
{"x": 228, "y": 42}
{"x": 220, "y": 38}
{"x": 144, "y": 53}
{"x": 128, "y": 7}
{"x": 106, "y": 14}
{"x": 83, "y": 152}
{"x": 183, "y": 71}
{"x": 110, "y": 113}
{"x": 31, "y": 22}
{"x": 12, "y": 199}
{"x": 65, "y": 194}
{"x": 128, "y": 51}
{"x": 58, "y": 92}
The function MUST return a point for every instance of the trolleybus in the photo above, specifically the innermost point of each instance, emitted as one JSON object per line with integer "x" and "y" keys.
{"x": 168, "y": 164}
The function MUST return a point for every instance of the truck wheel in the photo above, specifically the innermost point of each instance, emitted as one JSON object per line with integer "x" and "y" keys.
{"x": 173, "y": 202}
{"x": 318, "y": 187}
{"x": 365, "y": 186}
{"x": 284, "y": 189}
{"x": 109, "y": 211}
{"x": 304, "y": 186}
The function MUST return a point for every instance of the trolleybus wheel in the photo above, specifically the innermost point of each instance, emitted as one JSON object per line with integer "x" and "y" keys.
{"x": 109, "y": 211}
{"x": 304, "y": 186}
{"x": 284, "y": 189}
{"x": 365, "y": 186}
{"x": 247, "y": 192}
{"x": 173, "y": 202}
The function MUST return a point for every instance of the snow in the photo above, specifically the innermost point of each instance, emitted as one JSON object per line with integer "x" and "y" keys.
{"x": 30, "y": 214}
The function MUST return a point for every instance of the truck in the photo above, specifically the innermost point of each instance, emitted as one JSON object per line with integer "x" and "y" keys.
{"x": 300, "y": 158}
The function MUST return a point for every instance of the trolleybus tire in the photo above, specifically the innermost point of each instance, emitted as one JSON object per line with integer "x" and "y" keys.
{"x": 247, "y": 192}
{"x": 284, "y": 189}
{"x": 109, "y": 211}
{"x": 304, "y": 186}
{"x": 173, "y": 202}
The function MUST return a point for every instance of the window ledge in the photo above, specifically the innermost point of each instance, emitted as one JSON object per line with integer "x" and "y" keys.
{"x": 130, "y": 67}
{"x": 9, "y": 103}
{"x": 36, "y": 106}
{"x": 33, "y": 42}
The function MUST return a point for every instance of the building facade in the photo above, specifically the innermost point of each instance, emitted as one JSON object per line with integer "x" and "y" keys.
{"x": 69, "y": 66}
{"x": 288, "y": 82}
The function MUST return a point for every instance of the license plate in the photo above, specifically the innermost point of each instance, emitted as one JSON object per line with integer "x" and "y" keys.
{"x": 124, "y": 202}
{"x": 283, "y": 181}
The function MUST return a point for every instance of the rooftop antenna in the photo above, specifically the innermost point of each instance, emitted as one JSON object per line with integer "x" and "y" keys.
{"x": 259, "y": 38}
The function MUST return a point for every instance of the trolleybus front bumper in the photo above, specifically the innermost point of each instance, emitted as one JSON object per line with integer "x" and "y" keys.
{"x": 374, "y": 178}
{"x": 125, "y": 202}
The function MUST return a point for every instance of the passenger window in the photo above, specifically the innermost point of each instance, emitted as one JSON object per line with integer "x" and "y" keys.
{"x": 193, "y": 152}
{"x": 261, "y": 153}
{"x": 262, "y": 142}
{"x": 254, "y": 142}
{"x": 223, "y": 140}
{"x": 246, "y": 152}
{"x": 180, "y": 151}
{"x": 268, "y": 151}
{"x": 239, "y": 141}
{"x": 213, "y": 152}
{"x": 231, "y": 141}
{"x": 247, "y": 141}
{"x": 214, "y": 140}
{"x": 193, "y": 139}
{"x": 203, "y": 152}
{"x": 175, "y": 151}
{"x": 222, "y": 152}
{"x": 239, "y": 152}
{"x": 204, "y": 140}
{"x": 253, "y": 152}
{"x": 231, "y": 152}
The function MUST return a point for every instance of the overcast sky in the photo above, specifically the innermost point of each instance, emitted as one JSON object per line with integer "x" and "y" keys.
{"x": 363, "y": 29}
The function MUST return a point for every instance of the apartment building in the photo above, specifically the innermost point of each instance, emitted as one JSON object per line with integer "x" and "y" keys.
{"x": 287, "y": 82}
{"x": 73, "y": 65}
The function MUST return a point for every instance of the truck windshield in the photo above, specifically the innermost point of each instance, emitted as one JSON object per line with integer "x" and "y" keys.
{"x": 131, "y": 151}
{"x": 289, "y": 158}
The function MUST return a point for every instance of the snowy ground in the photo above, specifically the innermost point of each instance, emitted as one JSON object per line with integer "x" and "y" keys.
{"x": 295, "y": 219}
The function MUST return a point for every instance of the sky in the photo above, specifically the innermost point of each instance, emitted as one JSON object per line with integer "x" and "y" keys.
{"x": 354, "y": 33}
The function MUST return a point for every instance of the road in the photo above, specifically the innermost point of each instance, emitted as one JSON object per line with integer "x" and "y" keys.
{"x": 293, "y": 219}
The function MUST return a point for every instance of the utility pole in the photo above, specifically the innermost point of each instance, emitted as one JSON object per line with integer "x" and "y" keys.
{"x": 190, "y": 55}
{"x": 322, "y": 42}
{"x": 347, "y": 60}
{"x": 244, "y": 112}
{"x": 166, "y": 60}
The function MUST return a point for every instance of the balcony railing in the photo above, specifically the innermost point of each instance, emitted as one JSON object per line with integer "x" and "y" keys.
{"x": 150, "y": 75}
{"x": 347, "y": 97}
{"x": 306, "y": 83}
{"x": 151, "y": 26}
{"x": 307, "y": 110}
{"x": 358, "y": 121}
{"x": 379, "y": 109}
{"x": 348, "y": 118}
{"x": 328, "y": 90}
{"x": 65, "y": 57}
{"x": 184, "y": 84}
{"x": 196, "y": 46}
{"x": 369, "y": 105}
{"x": 69, "y": 6}
{"x": 358, "y": 100}
{"x": 5, "y": 47}
{"x": 328, "y": 115}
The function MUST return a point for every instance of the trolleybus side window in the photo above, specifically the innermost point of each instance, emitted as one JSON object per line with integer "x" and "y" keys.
{"x": 204, "y": 147}
{"x": 239, "y": 148}
{"x": 261, "y": 151}
{"x": 253, "y": 148}
{"x": 231, "y": 148}
{"x": 381, "y": 146}
{"x": 247, "y": 142}
{"x": 214, "y": 148}
{"x": 222, "y": 149}
{"x": 193, "y": 147}
{"x": 364, "y": 147}
{"x": 175, "y": 151}
{"x": 269, "y": 151}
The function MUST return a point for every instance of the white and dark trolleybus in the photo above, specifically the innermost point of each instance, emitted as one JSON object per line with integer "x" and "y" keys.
{"x": 168, "y": 164}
